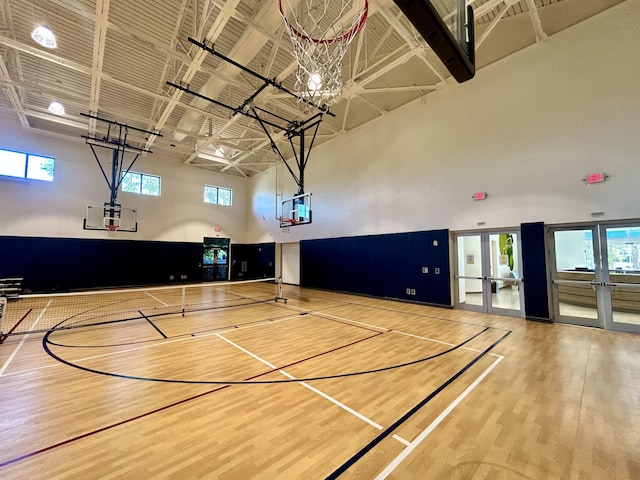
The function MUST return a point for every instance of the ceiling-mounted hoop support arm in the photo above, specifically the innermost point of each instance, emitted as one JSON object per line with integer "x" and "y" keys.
{"x": 267, "y": 81}
{"x": 300, "y": 131}
{"x": 291, "y": 128}
{"x": 118, "y": 147}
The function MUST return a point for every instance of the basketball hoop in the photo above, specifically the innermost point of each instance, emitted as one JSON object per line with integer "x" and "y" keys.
{"x": 112, "y": 228}
{"x": 287, "y": 222}
{"x": 321, "y": 31}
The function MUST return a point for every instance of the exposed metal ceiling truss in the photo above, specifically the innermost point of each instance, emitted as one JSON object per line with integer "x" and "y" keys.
{"x": 115, "y": 57}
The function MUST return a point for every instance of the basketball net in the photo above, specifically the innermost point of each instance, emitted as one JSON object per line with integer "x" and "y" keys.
{"x": 321, "y": 31}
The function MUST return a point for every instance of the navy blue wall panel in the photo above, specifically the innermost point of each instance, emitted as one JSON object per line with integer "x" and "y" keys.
{"x": 61, "y": 264}
{"x": 534, "y": 271}
{"x": 266, "y": 260}
{"x": 420, "y": 258}
{"x": 344, "y": 264}
{"x": 388, "y": 267}
{"x": 309, "y": 258}
{"x": 260, "y": 261}
{"x": 365, "y": 267}
{"x": 440, "y": 286}
{"x": 403, "y": 279}
{"x": 238, "y": 253}
{"x": 380, "y": 265}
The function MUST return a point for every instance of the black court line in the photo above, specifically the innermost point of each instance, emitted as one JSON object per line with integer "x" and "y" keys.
{"x": 140, "y": 342}
{"x": 152, "y": 324}
{"x": 389, "y": 430}
{"x": 46, "y": 348}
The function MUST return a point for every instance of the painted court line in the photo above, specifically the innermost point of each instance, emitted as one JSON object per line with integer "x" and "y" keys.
{"x": 335, "y": 317}
{"x": 19, "y": 346}
{"x": 157, "y": 299}
{"x": 425, "y": 433}
{"x": 159, "y": 344}
{"x": 306, "y": 385}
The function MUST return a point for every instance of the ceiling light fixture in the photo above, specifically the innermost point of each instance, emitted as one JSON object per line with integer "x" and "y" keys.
{"x": 315, "y": 82}
{"x": 57, "y": 108}
{"x": 43, "y": 35}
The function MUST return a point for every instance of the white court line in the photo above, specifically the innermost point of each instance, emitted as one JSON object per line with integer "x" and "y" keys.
{"x": 160, "y": 344}
{"x": 425, "y": 433}
{"x": 306, "y": 385}
{"x": 19, "y": 346}
{"x": 384, "y": 329}
{"x": 157, "y": 299}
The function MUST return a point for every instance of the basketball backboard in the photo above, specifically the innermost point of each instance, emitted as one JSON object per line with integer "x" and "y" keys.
{"x": 108, "y": 217}
{"x": 447, "y": 26}
{"x": 296, "y": 210}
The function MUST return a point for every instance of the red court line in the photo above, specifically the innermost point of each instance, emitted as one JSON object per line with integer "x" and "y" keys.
{"x": 16, "y": 325}
{"x": 160, "y": 409}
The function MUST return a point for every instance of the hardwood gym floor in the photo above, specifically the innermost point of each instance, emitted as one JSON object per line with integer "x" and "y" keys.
{"x": 449, "y": 395}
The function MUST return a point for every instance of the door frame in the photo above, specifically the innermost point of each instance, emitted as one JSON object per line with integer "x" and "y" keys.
{"x": 486, "y": 278}
{"x": 602, "y": 281}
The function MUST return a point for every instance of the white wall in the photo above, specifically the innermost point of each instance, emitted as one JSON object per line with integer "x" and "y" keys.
{"x": 526, "y": 130}
{"x": 57, "y": 209}
{"x": 291, "y": 263}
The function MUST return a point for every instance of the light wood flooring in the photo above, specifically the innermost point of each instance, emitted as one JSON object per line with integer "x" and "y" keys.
{"x": 326, "y": 386}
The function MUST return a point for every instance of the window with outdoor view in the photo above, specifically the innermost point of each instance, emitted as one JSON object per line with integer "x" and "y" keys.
{"x": 217, "y": 195}
{"x": 25, "y": 165}
{"x": 134, "y": 182}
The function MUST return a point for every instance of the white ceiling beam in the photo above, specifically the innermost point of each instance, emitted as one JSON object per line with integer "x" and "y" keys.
{"x": 535, "y": 20}
{"x": 419, "y": 47}
{"x": 198, "y": 58}
{"x": 11, "y": 93}
{"x": 169, "y": 60}
{"x": 408, "y": 88}
{"x": 99, "y": 41}
{"x": 38, "y": 53}
{"x": 507, "y": 5}
{"x": 66, "y": 120}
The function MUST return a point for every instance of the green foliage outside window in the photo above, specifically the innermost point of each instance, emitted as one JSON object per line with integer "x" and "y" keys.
{"x": 141, "y": 183}
{"x": 23, "y": 165}
{"x": 217, "y": 195}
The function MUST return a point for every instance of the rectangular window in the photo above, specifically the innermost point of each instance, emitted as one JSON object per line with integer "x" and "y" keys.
{"x": 141, "y": 183}
{"x": 24, "y": 165}
{"x": 217, "y": 195}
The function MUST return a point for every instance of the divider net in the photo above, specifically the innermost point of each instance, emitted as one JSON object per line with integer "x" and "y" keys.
{"x": 41, "y": 313}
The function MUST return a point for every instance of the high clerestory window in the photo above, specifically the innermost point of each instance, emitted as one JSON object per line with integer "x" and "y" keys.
{"x": 26, "y": 165}
{"x": 134, "y": 182}
{"x": 217, "y": 195}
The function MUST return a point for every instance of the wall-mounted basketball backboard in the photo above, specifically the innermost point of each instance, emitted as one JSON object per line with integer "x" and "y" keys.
{"x": 295, "y": 210}
{"x": 112, "y": 218}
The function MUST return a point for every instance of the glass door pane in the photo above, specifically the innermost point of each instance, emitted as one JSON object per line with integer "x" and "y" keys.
{"x": 622, "y": 280}
{"x": 504, "y": 276}
{"x": 576, "y": 276}
{"x": 469, "y": 272}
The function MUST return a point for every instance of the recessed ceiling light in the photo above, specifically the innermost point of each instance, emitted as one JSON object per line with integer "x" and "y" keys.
{"x": 57, "y": 108}
{"x": 43, "y": 35}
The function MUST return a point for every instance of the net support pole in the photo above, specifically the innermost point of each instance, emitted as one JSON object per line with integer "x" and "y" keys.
{"x": 280, "y": 297}
{"x": 3, "y": 304}
{"x": 183, "y": 300}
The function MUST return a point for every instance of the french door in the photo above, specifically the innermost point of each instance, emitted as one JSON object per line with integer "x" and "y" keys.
{"x": 487, "y": 277}
{"x": 596, "y": 275}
